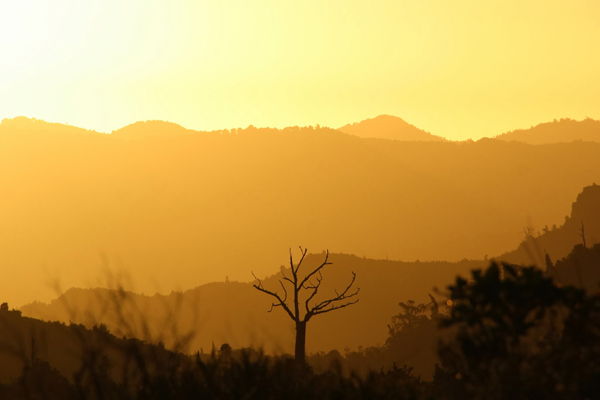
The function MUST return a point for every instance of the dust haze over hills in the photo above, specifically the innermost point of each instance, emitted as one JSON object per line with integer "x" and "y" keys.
{"x": 178, "y": 208}
{"x": 232, "y": 312}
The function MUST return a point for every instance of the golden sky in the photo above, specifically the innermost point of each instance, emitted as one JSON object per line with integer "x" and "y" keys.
{"x": 456, "y": 68}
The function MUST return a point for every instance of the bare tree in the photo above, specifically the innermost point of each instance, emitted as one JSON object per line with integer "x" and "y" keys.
{"x": 304, "y": 289}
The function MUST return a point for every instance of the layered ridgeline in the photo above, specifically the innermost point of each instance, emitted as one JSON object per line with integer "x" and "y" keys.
{"x": 558, "y": 131}
{"x": 237, "y": 314}
{"x": 178, "y": 208}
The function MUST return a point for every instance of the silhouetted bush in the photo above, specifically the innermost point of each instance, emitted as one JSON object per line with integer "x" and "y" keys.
{"x": 580, "y": 268}
{"x": 249, "y": 375}
{"x": 516, "y": 334}
{"x": 412, "y": 340}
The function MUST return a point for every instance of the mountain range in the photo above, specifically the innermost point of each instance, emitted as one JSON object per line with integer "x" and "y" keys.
{"x": 389, "y": 127}
{"x": 178, "y": 210}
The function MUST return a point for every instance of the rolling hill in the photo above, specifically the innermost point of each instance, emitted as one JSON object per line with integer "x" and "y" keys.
{"x": 389, "y": 127}
{"x": 558, "y": 131}
{"x": 151, "y": 129}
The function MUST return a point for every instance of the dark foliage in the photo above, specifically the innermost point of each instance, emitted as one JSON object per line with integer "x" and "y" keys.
{"x": 245, "y": 375}
{"x": 507, "y": 332}
{"x": 412, "y": 341}
{"x": 580, "y": 268}
{"x": 516, "y": 334}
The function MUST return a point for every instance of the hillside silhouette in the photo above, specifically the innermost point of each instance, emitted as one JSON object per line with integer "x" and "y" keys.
{"x": 179, "y": 210}
{"x": 581, "y": 225}
{"x": 558, "y": 131}
{"x": 26, "y": 342}
{"x": 389, "y": 127}
{"x": 579, "y": 268}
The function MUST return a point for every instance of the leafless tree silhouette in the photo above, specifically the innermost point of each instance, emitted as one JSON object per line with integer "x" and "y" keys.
{"x": 304, "y": 288}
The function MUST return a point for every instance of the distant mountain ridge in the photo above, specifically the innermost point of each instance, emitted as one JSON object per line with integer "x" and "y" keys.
{"x": 380, "y": 127}
{"x": 147, "y": 129}
{"x": 26, "y": 125}
{"x": 191, "y": 208}
{"x": 558, "y": 131}
{"x": 389, "y": 127}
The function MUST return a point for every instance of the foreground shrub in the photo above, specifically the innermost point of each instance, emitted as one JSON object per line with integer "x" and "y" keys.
{"x": 516, "y": 334}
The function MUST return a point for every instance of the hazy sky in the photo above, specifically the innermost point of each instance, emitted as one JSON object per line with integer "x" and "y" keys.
{"x": 455, "y": 68}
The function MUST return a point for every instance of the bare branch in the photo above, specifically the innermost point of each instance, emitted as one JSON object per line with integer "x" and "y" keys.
{"x": 294, "y": 280}
{"x": 315, "y": 289}
{"x": 292, "y": 262}
{"x": 316, "y": 270}
{"x": 326, "y": 303}
{"x": 303, "y": 255}
{"x": 281, "y": 302}
{"x": 284, "y": 291}
{"x": 311, "y": 285}
{"x": 295, "y": 268}
{"x": 329, "y": 304}
{"x": 335, "y": 307}
{"x": 285, "y": 278}
{"x": 311, "y": 282}
{"x": 256, "y": 278}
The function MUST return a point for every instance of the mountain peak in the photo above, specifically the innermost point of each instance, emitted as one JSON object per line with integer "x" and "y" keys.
{"x": 151, "y": 129}
{"x": 389, "y": 127}
{"x": 387, "y": 117}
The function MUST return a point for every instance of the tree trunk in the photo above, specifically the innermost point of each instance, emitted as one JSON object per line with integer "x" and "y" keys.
{"x": 300, "y": 353}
